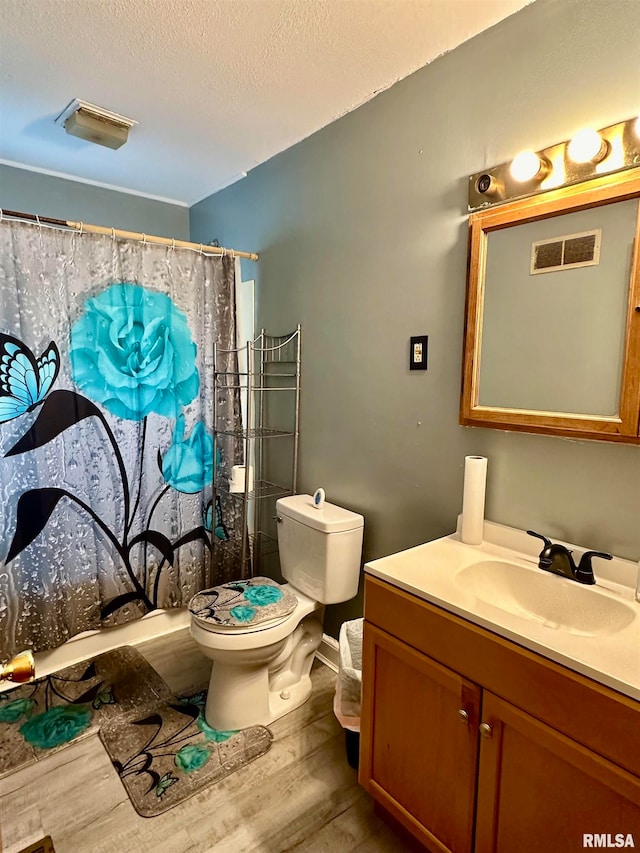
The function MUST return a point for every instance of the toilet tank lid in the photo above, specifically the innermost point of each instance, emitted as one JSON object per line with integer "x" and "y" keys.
{"x": 330, "y": 518}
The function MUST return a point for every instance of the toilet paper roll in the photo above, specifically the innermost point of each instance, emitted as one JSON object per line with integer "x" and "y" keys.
{"x": 475, "y": 480}
{"x": 239, "y": 475}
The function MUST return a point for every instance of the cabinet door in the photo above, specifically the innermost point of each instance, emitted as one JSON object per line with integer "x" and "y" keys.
{"x": 418, "y": 753}
{"x": 539, "y": 790}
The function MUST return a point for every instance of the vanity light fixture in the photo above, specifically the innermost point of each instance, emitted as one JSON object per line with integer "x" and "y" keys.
{"x": 487, "y": 185}
{"x": 588, "y": 146}
{"x": 591, "y": 153}
{"x": 529, "y": 166}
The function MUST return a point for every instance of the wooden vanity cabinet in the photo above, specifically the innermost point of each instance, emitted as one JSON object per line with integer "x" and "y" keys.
{"x": 539, "y": 790}
{"x": 422, "y": 757}
{"x": 475, "y": 744}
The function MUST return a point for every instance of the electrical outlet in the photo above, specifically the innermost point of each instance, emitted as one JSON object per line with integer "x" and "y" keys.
{"x": 418, "y": 352}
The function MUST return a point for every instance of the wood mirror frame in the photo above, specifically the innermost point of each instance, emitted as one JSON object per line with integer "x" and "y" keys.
{"x": 623, "y": 427}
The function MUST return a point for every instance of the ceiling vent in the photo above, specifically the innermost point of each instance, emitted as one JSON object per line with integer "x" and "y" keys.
{"x": 95, "y": 124}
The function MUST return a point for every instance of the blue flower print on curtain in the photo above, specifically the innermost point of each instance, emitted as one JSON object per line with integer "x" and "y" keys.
{"x": 132, "y": 351}
{"x": 187, "y": 465}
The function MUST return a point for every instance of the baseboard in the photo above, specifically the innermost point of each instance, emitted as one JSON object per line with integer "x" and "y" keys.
{"x": 328, "y": 652}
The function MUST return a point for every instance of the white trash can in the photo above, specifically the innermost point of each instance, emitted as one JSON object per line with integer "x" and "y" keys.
{"x": 348, "y": 698}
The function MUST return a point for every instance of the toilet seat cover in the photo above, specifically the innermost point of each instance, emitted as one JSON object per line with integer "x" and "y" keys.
{"x": 243, "y": 604}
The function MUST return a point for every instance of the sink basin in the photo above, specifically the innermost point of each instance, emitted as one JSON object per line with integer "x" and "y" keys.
{"x": 497, "y": 585}
{"x": 556, "y": 602}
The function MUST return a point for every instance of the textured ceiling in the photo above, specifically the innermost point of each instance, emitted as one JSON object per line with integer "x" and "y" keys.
{"x": 217, "y": 86}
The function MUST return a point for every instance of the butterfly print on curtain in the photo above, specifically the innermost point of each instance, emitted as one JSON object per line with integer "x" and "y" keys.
{"x": 24, "y": 379}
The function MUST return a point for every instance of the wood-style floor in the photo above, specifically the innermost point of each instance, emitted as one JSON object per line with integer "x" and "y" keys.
{"x": 301, "y": 796}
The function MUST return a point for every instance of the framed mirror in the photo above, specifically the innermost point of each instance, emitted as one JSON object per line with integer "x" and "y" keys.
{"x": 552, "y": 331}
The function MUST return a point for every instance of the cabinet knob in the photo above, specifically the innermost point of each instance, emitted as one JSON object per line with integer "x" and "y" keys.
{"x": 486, "y": 730}
{"x": 463, "y": 716}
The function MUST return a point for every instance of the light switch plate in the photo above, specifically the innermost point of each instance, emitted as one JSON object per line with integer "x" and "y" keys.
{"x": 418, "y": 352}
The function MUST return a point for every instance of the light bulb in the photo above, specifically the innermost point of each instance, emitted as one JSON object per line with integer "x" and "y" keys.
{"x": 587, "y": 146}
{"x": 528, "y": 165}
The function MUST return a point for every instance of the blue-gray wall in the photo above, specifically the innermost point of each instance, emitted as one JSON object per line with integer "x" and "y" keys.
{"x": 362, "y": 238}
{"x": 46, "y": 195}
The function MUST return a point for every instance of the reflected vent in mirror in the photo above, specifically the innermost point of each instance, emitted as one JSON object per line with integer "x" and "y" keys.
{"x": 569, "y": 252}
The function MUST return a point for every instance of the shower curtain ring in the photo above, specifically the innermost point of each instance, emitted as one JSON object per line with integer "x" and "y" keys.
{"x": 144, "y": 239}
{"x": 113, "y": 233}
{"x": 173, "y": 244}
{"x": 81, "y": 227}
{"x": 201, "y": 251}
{"x": 1, "y": 215}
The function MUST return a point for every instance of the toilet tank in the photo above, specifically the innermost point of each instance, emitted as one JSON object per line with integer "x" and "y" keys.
{"x": 320, "y": 549}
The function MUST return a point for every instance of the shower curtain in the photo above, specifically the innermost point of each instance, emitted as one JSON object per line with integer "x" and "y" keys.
{"x": 106, "y": 445}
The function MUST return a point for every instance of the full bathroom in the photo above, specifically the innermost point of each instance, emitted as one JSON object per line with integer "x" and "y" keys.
{"x": 270, "y": 386}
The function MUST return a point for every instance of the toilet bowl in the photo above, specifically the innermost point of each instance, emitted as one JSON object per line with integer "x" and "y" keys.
{"x": 262, "y": 657}
{"x": 258, "y": 675}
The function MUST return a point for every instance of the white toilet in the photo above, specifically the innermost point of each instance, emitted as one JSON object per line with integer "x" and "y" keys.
{"x": 261, "y": 672}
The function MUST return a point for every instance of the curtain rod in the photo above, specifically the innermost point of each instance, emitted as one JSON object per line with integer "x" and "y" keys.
{"x": 128, "y": 235}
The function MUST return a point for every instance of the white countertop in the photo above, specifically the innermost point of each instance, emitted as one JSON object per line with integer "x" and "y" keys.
{"x": 429, "y": 572}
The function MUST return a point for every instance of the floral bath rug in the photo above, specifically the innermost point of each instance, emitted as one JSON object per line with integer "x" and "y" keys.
{"x": 39, "y": 718}
{"x": 171, "y": 753}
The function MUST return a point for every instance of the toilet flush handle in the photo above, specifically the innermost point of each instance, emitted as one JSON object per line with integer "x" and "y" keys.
{"x": 277, "y": 518}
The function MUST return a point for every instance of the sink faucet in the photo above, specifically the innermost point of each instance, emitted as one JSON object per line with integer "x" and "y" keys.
{"x": 558, "y": 559}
